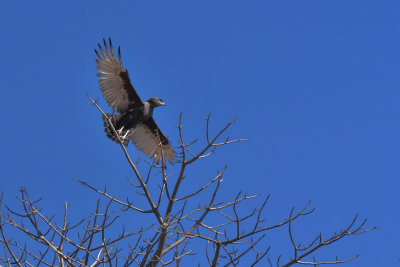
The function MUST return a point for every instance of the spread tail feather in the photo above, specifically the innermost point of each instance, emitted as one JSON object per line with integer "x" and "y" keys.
{"x": 113, "y": 118}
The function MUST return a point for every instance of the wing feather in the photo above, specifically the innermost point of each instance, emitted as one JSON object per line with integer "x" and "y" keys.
{"x": 151, "y": 141}
{"x": 114, "y": 80}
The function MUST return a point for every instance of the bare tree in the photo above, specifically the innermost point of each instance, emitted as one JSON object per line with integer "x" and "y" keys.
{"x": 225, "y": 233}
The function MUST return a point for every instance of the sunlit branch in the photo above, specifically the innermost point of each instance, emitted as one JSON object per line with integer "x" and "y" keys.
{"x": 232, "y": 231}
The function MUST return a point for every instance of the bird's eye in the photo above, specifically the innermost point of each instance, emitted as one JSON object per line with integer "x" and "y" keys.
{"x": 160, "y": 100}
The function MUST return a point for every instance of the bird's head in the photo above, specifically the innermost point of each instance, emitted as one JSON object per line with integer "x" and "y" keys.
{"x": 156, "y": 102}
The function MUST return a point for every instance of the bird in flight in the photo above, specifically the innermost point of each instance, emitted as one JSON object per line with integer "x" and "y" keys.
{"x": 134, "y": 118}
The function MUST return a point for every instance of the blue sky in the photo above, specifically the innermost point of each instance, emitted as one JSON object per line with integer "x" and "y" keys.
{"x": 314, "y": 85}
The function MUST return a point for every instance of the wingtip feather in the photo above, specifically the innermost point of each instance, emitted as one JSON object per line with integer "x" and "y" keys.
{"x": 111, "y": 47}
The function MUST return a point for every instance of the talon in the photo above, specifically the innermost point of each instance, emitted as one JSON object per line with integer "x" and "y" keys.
{"x": 125, "y": 135}
{"x": 120, "y": 130}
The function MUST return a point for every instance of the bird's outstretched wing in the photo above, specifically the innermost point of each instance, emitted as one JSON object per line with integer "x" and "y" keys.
{"x": 149, "y": 139}
{"x": 114, "y": 80}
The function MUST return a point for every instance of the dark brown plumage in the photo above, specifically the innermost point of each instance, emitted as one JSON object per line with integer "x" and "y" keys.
{"x": 135, "y": 119}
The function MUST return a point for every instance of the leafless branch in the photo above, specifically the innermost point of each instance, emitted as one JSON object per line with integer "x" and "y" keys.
{"x": 231, "y": 231}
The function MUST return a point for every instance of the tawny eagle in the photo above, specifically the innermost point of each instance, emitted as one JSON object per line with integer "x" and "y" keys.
{"x": 134, "y": 118}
